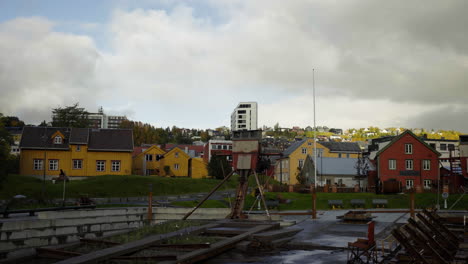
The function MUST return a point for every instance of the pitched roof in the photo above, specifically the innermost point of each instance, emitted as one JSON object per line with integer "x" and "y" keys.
{"x": 293, "y": 147}
{"x": 41, "y": 137}
{"x": 111, "y": 139}
{"x": 336, "y": 166}
{"x": 79, "y": 136}
{"x": 342, "y": 146}
{"x": 96, "y": 139}
{"x": 400, "y": 136}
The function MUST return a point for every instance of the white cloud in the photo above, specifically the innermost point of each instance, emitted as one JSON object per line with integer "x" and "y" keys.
{"x": 376, "y": 63}
{"x": 41, "y": 69}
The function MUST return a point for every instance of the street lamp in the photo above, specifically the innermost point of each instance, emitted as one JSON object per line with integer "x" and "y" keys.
{"x": 44, "y": 139}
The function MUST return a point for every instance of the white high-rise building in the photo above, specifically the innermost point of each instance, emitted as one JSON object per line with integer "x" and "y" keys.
{"x": 244, "y": 116}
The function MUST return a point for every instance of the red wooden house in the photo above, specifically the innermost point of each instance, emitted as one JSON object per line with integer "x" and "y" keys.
{"x": 410, "y": 161}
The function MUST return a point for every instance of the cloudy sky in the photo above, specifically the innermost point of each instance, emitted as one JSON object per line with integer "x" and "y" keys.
{"x": 189, "y": 63}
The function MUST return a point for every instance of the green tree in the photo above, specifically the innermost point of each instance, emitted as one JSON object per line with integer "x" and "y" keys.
{"x": 5, "y": 141}
{"x": 218, "y": 167}
{"x": 12, "y": 121}
{"x": 70, "y": 116}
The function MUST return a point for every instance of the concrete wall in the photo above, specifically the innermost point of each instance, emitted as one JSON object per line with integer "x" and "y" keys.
{"x": 61, "y": 227}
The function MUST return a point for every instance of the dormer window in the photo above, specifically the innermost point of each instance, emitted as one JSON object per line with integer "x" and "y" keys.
{"x": 58, "y": 140}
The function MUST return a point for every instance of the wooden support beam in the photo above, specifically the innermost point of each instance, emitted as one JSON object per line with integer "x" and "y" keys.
{"x": 97, "y": 241}
{"x": 130, "y": 247}
{"x": 221, "y": 246}
{"x": 410, "y": 249}
{"x": 436, "y": 243}
{"x": 55, "y": 253}
{"x": 427, "y": 249}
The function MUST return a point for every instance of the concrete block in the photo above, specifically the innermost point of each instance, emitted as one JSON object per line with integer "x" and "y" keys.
{"x": 95, "y": 228}
{"x": 24, "y": 224}
{"x": 90, "y": 235}
{"x": 66, "y": 230}
{"x": 72, "y": 238}
{"x": 7, "y": 246}
{"x": 53, "y": 241}
{"x": 106, "y": 227}
{"x": 36, "y": 242}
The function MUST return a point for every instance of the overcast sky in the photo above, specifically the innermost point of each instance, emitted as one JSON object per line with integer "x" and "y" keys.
{"x": 189, "y": 63}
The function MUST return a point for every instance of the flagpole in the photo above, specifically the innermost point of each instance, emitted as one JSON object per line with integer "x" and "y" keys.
{"x": 315, "y": 130}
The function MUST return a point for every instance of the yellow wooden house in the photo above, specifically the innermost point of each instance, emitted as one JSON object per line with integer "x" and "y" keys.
{"x": 174, "y": 163}
{"x": 147, "y": 161}
{"x": 293, "y": 158}
{"x": 75, "y": 151}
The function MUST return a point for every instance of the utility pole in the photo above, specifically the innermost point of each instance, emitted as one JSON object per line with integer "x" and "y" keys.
{"x": 315, "y": 131}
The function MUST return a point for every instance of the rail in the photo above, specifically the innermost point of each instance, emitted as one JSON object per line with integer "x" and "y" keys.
{"x": 31, "y": 212}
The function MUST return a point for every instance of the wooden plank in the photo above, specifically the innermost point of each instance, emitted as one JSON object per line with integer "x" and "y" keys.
{"x": 137, "y": 259}
{"x": 225, "y": 231}
{"x": 130, "y": 247}
{"x": 221, "y": 246}
{"x": 97, "y": 241}
{"x": 276, "y": 234}
{"x": 55, "y": 253}
{"x": 190, "y": 246}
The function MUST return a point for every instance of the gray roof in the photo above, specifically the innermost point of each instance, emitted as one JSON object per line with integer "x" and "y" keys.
{"x": 293, "y": 147}
{"x": 96, "y": 139}
{"x": 352, "y": 147}
{"x": 41, "y": 137}
{"x": 336, "y": 166}
{"x": 79, "y": 136}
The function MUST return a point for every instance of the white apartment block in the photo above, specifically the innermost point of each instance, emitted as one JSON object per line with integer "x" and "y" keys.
{"x": 244, "y": 117}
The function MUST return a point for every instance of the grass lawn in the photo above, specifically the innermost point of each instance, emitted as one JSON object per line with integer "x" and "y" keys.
{"x": 301, "y": 201}
{"x": 109, "y": 186}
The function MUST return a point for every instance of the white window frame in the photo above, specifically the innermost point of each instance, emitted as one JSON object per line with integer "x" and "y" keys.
{"x": 408, "y": 148}
{"x": 301, "y": 163}
{"x": 115, "y": 165}
{"x": 176, "y": 154}
{"x": 78, "y": 148}
{"x": 392, "y": 164}
{"x": 426, "y": 164}
{"x": 77, "y": 164}
{"x": 409, "y": 164}
{"x": 38, "y": 164}
{"x": 304, "y": 150}
{"x": 57, "y": 139}
{"x": 100, "y": 165}
{"x": 176, "y": 166}
{"x": 53, "y": 164}
{"x": 427, "y": 184}
{"x": 149, "y": 157}
{"x": 409, "y": 183}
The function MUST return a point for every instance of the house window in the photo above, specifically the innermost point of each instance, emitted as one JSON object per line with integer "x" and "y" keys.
{"x": 319, "y": 152}
{"x": 409, "y": 184}
{"x": 301, "y": 163}
{"x": 53, "y": 164}
{"x": 427, "y": 184}
{"x": 77, "y": 164}
{"x": 392, "y": 164}
{"x": 149, "y": 157}
{"x": 347, "y": 155}
{"x": 78, "y": 148}
{"x": 339, "y": 155}
{"x": 116, "y": 165}
{"x": 426, "y": 164}
{"x": 409, "y": 164}
{"x": 100, "y": 165}
{"x": 433, "y": 145}
{"x": 451, "y": 147}
{"x": 38, "y": 164}
{"x": 176, "y": 166}
{"x": 408, "y": 148}
{"x": 225, "y": 147}
{"x": 304, "y": 150}
{"x": 443, "y": 146}
{"x": 58, "y": 140}
{"x": 176, "y": 154}
{"x": 309, "y": 143}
